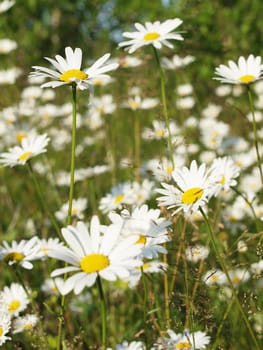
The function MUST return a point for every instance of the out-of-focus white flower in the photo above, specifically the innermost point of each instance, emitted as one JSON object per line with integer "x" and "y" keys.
{"x": 7, "y": 45}
{"x": 196, "y": 253}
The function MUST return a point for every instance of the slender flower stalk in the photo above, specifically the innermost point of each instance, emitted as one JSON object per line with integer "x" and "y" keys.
{"x": 71, "y": 195}
{"x": 164, "y": 104}
{"x": 73, "y": 148}
{"x": 225, "y": 270}
{"x": 145, "y": 298}
{"x": 42, "y": 203}
{"x": 103, "y": 314}
{"x": 137, "y": 145}
{"x": 251, "y": 105}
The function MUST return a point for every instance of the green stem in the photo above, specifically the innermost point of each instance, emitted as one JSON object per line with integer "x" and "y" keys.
{"x": 225, "y": 270}
{"x": 250, "y": 206}
{"x": 42, "y": 203}
{"x": 145, "y": 299}
{"x": 251, "y": 105}
{"x": 164, "y": 104}
{"x": 103, "y": 315}
{"x": 71, "y": 195}
{"x": 73, "y": 147}
{"x": 137, "y": 139}
{"x": 40, "y": 329}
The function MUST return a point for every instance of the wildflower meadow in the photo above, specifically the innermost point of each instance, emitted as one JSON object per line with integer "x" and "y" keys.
{"x": 131, "y": 175}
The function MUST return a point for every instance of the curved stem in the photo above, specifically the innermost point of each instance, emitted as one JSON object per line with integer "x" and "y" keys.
{"x": 225, "y": 270}
{"x": 251, "y": 105}
{"x": 164, "y": 104}
{"x": 103, "y": 315}
{"x": 71, "y": 195}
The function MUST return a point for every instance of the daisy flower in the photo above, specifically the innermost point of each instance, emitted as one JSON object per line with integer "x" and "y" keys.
{"x": 6, "y": 5}
{"x": 152, "y": 33}
{"x": 78, "y": 207}
{"x": 177, "y": 62}
{"x": 47, "y": 245}
{"x": 21, "y": 253}
{"x": 227, "y": 171}
{"x": 192, "y": 190}
{"x": 30, "y": 147}
{"x": 239, "y": 276}
{"x": 215, "y": 276}
{"x": 196, "y": 253}
{"x": 246, "y": 71}
{"x": 187, "y": 340}
{"x": 147, "y": 225}
{"x": 68, "y": 70}
{"x": 120, "y": 194}
{"x": 134, "y": 345}
{"x": 136, "y": 102}
{"x": 13, "y": 299}
{"x": 95, "y": 252}
{"x": 147, "y": 267}
{"x": 50, "y": 285}
{"x": 24, "y": 323}
{"x": 5, "y": 324}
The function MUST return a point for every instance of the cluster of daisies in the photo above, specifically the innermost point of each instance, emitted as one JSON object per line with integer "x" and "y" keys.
{"x": 14, "y": 300}
{"x": 130, "y": 244}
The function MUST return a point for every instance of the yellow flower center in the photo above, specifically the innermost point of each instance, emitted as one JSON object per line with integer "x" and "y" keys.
{"x": 54, "y": 290}
{"x": 20, "y": 136}
{"x": 118, "y": 199}
{"x": 97, "y": 82}
{"x": 183, "y": 345}
{"x": 151, "y": 36}
{"x": 134, "y": 105}
{"x": 73, "y": 74}
{"x": 141, "y": 240}
{"x": 192, "y": 195}
{"x": 1, "y": 331}
{"x": 223, "y": 180}
{"x": 169, "y": 169}
{"x": 236, "y": 280}
{"x": 195, "y": 252}
{"x": 28, "y": 326}
{"x": 74, "y": 211}
{"x": 14, "y": 305}
{"x": 246, "y": 79}
{"x": 145, "y": 266}
{"x": 14, "y": 256}
{"x": 94, "y": 263}
{"x": 160, "y": 133}
{"x": 25, "y": 156}
{"x": 214, "y": 278}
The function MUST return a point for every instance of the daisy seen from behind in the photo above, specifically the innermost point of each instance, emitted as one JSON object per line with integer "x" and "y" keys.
{"x": 68, "y": 71}
{"x": 30, "y": 147}
{"x": 192, "y": 189}
{"x": 245, "y": 71}
{"x": 152, "y": 33}
{"x": 95, "y": 252}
